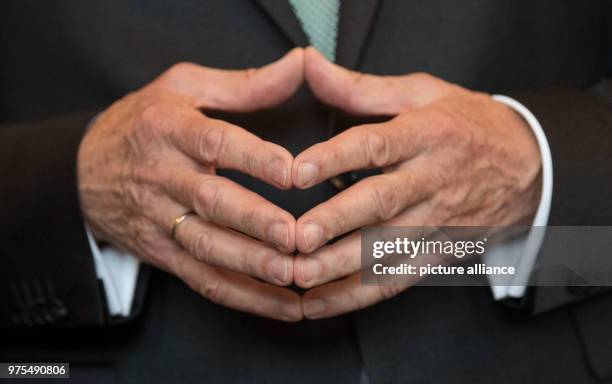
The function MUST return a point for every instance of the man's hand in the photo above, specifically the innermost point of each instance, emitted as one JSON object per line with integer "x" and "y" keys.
{"x": 152, "y": 156}
{"x": 450, "y": 156}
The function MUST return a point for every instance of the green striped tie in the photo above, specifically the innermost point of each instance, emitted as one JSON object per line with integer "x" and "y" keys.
{"x": 319, "y": 19}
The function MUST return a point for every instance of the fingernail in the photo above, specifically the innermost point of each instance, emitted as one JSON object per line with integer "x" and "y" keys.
{"x": 307, "y": 172}
{"x": 291, "y": 313}
{"x": 279, "y": 233}
{"x": 312, "y": 235}
{"x": 278, "y": 269}
{"x": 313, "y": 308}
{"x": 310, "y": 270}
{"x": 278, "y": 172}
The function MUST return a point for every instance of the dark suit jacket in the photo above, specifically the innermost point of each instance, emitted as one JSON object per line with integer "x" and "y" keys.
{"x": 63, "y": 61}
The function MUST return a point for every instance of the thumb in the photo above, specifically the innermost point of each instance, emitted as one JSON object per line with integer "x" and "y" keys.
{"x": 244, "y": 90}
{"x": 364, "y": 94}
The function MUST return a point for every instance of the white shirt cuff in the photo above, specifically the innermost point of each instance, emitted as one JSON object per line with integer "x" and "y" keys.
{"x": 119, "y": 274}
{"x": 522, "y": 252}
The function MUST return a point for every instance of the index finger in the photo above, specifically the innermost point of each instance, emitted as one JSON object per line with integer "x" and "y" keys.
{"x": 224, "y": 145}
{"x": 361, "y": 147}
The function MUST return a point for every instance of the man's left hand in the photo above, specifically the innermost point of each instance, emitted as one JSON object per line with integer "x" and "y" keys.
{"x": 450, "y": 156}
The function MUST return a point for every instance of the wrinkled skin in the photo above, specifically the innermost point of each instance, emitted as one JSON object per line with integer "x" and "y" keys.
{"x": 450, "y": 156}
{"x": 152, "y": 156}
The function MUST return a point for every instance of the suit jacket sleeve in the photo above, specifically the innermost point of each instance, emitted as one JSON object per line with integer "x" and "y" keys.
{"x": 47, "y": 275}
{"x": 578, "y": 125}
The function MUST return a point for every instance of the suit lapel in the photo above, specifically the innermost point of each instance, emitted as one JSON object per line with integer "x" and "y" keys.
{"x": 281, "y": 13}
{"x": 356, "y": 19}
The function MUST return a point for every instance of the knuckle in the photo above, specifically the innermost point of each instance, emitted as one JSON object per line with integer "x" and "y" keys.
{"x": 386, "y": 200}
{"x": 145, "y": 172}
{"x": 326, "y": 268}
{"x": 249, "y": 219}
{"x": 141, "y": 173}
{"x": 424, "y": 80}
{"x": 332, "y": 222}
{"x": 157, "y": 121}
{"x": 327, "y": 152}
{"x": 143, "y": 194}
{"x": 182, "y": 66}
{"x": 336, "y": 225}
{"x": 430, "y": 87}
{"x": 180, "y": 268}
{"x": 152, "y": 116}
{"x": 453, "y": 129}
{"x": 344, "y": 259}
{"x": 248, "y": 162}
{"x": 202, "y": 246}
{"x": 178, "y": 71}
{"x": 423, "y": 77}
{"x": 377, "y": 148}
{"x": 444, "y": 120}
{"x": 443, "y": 126}
{"x": 206, "y": 199}
{"x": 254, "y": 260}
{"x": 213, "y": 289}
{"x": 139, "y": 183}
{"x": 388, "y": 291}
{"x": 333, "y": 263}
{"x": 210, "y": 144}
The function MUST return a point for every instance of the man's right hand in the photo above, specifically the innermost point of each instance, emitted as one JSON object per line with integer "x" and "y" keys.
{"x": 151, "y": 157}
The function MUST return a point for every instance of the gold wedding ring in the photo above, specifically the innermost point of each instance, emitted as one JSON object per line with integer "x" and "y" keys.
{"x": 178, "y": 222}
